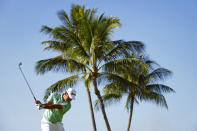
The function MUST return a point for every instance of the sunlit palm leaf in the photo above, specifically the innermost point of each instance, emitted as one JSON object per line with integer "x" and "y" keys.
{"x": 106, "y": 29}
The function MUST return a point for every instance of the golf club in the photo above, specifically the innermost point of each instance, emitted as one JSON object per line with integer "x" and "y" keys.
{"x": 26, "y": 80}
{"x": 39, "y": 106}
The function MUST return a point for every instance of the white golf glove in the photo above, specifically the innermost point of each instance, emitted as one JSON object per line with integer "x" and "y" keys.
{"x": 40, "y": 106}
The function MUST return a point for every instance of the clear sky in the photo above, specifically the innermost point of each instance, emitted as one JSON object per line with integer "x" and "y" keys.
{"x": 167, "y": 27}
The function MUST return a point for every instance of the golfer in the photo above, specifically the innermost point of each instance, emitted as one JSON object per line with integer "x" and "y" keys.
{"x": 57, "y": 105}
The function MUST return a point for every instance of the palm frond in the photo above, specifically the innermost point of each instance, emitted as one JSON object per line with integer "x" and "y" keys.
{"x": 46, "y": 29}
{"x": 136, "y": 101}
{"x": 71, "y": 37}
{"x": 118, "y": 80}
{"x": 108, "y": 99}
{"x": 76, "y": 14}
{"x": 123, "y": 47}
{"x": 150, "y": 63}
{"x": 149, "y": 96}
{"x": 61, "y": 85}
{"x": 100, "y": 18}
{"x": 159, "y": 88}
{"x": 63, "y": 16}
{"x": 121, "y": 65}
{"x": 56, "y": 45}
{"x": 58, "y": 64}
{"x": 159, "y": 74}
{"x": 106, "y": 29}
{"x": 114, "y": 87}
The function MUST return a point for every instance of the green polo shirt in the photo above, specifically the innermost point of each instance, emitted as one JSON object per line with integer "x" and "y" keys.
{"x": 56, "y": 115}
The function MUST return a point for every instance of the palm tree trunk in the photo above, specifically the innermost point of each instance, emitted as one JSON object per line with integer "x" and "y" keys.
{"x": 91, "y": 109}
{"x": 130, "y": 113}
{"x": 97, "y": 92}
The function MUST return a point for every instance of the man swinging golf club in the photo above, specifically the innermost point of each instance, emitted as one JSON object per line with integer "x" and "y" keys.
{"x": 56, "y": 106}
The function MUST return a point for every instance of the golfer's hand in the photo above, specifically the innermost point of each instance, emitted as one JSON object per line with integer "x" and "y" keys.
{"x": 39, "y": 105}
{"x": 37, "y": 102}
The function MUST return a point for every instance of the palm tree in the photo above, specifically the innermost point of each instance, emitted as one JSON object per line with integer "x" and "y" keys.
{"x": 85, "y": 46}
{"x": 63, "y": 42}
{"x": 139, "y": 83}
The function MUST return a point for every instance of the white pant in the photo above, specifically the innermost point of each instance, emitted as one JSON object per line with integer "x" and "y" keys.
{"x": 48, "y": 126}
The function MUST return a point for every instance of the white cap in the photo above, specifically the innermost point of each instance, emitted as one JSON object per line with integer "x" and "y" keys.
{"x": 71, "y": 93}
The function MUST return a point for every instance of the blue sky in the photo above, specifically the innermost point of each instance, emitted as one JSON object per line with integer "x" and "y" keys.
{"x": 168, "y": 29}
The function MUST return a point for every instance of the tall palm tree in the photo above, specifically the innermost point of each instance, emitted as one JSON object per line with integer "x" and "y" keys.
{"x": 139, "y": 82}
{"x": 85, "y": 46}
{"x": 63, "y": 41}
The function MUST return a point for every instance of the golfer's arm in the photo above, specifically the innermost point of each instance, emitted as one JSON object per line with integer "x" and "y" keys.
{"x": 48, "y": 105}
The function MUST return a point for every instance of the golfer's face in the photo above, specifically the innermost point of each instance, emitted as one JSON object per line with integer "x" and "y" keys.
{"x": 66, "y": 97}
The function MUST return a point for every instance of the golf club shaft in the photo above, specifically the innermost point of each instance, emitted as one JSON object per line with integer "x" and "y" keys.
{"x": 27, "y": 83}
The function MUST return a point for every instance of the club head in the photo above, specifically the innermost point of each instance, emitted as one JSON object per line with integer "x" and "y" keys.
{"x": 20, "y": 63}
